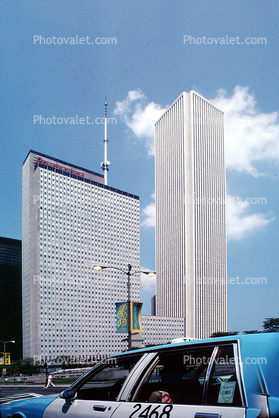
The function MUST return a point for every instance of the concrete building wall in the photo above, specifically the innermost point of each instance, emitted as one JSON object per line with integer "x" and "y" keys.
{"x": 190, "y": 215}
{"x": 161, "y": 330}
{"x": 72, "y": 221}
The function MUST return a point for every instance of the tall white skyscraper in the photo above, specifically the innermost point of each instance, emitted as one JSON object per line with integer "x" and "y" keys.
{"x": 191, "y": 261}
{"x": 70, "y": 221}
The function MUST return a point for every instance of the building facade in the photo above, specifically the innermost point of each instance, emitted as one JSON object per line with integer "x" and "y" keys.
{"x": 71, "y": 221}
{"x": 10, "y": 296}
{"x": 190, "y": 215}
{"x": 161, "y": 330}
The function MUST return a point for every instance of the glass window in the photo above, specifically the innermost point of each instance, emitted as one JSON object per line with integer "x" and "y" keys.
{"x": 105, "y": 382}
{"x": 223, "y": 387}
{"x": 177, "y": 377}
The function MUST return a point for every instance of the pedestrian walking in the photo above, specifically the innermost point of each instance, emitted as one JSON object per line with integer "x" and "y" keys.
{"x": 49, "y": 381}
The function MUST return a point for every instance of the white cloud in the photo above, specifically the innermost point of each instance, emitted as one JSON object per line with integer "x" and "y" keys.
{"x": 148, "y": 283}
{"x": 140, "y": 116}
{"x": 240, "y": 225}
{"x": 250, "y": 136}
{"x": 149, "y": 215}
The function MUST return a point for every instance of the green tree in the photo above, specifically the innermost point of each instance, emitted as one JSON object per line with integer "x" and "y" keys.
{"x": 271, "y": 325}
{"x": 25, "y": 367}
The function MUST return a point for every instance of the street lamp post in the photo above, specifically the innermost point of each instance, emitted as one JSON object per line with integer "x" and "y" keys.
{"x": 5, "y": 342}
{"x": 129, "y": 308}
{"x": 129, "y": 274}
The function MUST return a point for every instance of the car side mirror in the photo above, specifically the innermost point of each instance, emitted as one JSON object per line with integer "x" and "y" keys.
{"x": 69, "y": 395}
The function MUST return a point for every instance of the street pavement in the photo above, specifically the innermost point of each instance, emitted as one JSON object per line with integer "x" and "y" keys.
{"x": 10, "y": 393}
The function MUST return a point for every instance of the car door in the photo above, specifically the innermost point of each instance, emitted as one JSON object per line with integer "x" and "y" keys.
{"x": 96, "y": 393}
{"x": 186, "y": 383}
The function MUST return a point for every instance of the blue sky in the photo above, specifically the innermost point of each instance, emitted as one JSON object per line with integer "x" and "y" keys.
{"x": 144, "y": 54}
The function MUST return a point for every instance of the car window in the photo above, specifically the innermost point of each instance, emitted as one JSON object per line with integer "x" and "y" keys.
{"x": 177, "y": 377}
{"x": 223, "y": 386}
{"x": 105, "y": 382}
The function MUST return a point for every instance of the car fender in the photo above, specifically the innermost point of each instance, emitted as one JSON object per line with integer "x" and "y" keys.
{"x": 27, "y": 408}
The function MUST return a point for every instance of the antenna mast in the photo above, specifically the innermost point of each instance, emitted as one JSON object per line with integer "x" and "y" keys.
{"x": 106, "y": 163}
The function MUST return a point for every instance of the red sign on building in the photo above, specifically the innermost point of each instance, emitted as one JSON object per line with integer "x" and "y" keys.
{"x": 59, "y": 167}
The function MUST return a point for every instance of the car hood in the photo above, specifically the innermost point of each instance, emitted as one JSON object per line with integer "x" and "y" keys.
{"x": 27, "y": 408}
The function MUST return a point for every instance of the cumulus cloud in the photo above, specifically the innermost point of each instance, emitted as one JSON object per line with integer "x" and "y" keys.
{"x": 240, "y": 225}
{"x": 149, "y": 215}
{"x": 250, "y": 136}
{"x": 148, "y": 283}
{"x": 140, "y": 116}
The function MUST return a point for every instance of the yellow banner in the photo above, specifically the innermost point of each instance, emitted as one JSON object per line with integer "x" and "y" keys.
{"x": 7, "y": 360}
{"x": 121, "y": 317}
{"x": 136, "y": 317}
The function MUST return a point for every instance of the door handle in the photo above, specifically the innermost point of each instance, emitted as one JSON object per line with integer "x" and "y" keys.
{"x": 100, "y": 408}
{"x": 205, "y": 415}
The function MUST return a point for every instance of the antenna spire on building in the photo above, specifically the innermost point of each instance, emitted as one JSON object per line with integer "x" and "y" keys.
{"x": 106, "y": 163}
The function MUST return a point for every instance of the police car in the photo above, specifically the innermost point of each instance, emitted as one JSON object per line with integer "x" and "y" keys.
{"x": 236, "y": 376}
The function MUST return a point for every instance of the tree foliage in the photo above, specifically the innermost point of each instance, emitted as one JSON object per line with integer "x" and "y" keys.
{"x": 22, "y": 367}
{"x": 271, "y": 325}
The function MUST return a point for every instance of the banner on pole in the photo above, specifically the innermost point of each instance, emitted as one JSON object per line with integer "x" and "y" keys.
{"x": 121, "y": 317}
{"x": 136, "y": 317}
{"x": 7, "y": 361}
